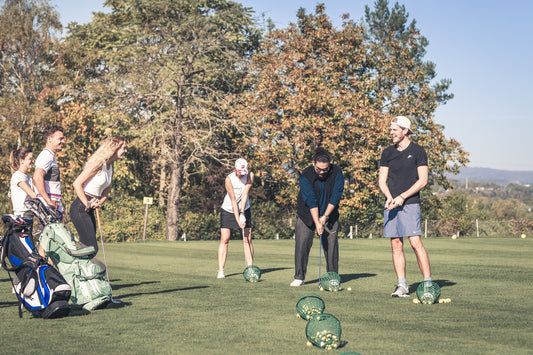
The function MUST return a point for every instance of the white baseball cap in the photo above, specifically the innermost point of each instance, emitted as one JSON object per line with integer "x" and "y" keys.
{"x": 403, "y": 122}
{"x": 241, "y": 167}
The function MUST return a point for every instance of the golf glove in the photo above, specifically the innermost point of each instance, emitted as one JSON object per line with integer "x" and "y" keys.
{"x": 242, "y": 218}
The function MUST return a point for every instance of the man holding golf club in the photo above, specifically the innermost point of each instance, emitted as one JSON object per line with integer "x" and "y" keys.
{"x": 235, "y": 213}
{"x": 321, "y": 188}
{"x": 403, "y": 172}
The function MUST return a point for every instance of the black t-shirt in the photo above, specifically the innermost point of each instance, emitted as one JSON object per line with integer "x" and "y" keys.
{"x": 403, "y": 171}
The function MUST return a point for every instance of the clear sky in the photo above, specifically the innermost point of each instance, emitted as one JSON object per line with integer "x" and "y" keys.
{"x": 484, "y": 47}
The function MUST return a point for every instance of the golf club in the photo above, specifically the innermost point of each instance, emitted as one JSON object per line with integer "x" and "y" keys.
{"x": 320, "y": 262}
{"x": 103, "y": 251}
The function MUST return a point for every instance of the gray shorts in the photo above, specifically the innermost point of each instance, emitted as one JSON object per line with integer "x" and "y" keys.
{"x": 403, "y": 221}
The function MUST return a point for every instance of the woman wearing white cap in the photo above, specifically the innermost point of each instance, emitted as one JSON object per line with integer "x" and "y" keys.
{"x": 235, "y": 213}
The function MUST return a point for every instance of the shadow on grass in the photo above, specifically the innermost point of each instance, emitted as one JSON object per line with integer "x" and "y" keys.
{"x": 347, "y": 277}
{"x": 263, "y": 271}
{"x": 128, "y": 295}
{"x": 9, "y": 304}
{"x": 441, "y": 283}
{"x": 118, "y": 287}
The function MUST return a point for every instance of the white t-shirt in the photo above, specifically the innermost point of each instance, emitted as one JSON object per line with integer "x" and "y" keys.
{"x": 47, "y": 161}
{"x": 238, "y": 188}
{"x": 98, "y": 183}
{"x": 19, "y": 196}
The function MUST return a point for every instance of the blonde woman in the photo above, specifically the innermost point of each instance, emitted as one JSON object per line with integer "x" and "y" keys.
{"x": 92, "y": 187}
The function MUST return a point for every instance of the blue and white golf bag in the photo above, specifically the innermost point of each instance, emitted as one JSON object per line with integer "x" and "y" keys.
{"x": 39, "y": 287}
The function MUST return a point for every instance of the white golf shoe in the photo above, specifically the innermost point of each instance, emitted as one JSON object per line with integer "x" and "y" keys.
{"x": 297, "y": 283}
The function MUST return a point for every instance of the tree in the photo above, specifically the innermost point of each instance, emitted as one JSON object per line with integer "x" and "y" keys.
{"x": 27, "y": 72}
{"x": 403, "y": 84}
{"x": 166, "y": 68}
{"x": 318, "y": 86}
{"x": 309, "y": 93}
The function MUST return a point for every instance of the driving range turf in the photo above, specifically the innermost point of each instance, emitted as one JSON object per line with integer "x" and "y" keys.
{"x": 173, "y": 303}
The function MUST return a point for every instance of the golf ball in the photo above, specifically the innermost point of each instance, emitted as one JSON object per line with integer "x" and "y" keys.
{"x": 309, "y": 343}
{"x": 416, "y": 300}
{"x": 523, "y": 236}
{"x": 454, "y": 236}
{"x": 349, "y": 288}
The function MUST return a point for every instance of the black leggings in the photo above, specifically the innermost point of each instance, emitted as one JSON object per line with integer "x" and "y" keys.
{"x": 84, "y": 222}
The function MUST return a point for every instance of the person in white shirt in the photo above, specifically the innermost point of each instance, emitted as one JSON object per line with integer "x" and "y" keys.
{"x": 21, "y": 189}
{"x": 46, "y": 177}
{"x": 92, "y": 187}
{"x": 235, "y": 213}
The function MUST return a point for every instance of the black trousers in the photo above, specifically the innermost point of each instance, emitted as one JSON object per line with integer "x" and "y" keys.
{"x": 84, "y": 222}
{"x": 304, "y": 241}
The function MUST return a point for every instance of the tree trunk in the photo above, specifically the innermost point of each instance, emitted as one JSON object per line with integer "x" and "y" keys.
{"x": 162, "y": 184}
{"x": 173, "y": 203}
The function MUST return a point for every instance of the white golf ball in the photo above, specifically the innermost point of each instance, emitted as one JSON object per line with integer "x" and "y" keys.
{"x": 349, "y": 288}
{"x": 523, "y": 236}
{"x": 454, "y": 236}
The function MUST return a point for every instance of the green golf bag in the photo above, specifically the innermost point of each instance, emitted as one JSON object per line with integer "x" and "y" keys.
{"x": 85, "y": 274}
{"x": 76, "y": 262}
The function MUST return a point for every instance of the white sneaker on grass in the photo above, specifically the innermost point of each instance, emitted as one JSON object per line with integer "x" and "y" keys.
{"x": 297, "y": 283}
{"x": 400, "y": 291}
{"x": 220, "y": 274}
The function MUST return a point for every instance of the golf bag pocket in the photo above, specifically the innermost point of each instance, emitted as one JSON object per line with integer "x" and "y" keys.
{"x": 76, "y": 262}
{"x": 41, "y": 289}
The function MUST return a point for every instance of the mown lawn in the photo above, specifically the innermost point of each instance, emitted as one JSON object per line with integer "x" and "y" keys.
{"x": 173, "y": 303}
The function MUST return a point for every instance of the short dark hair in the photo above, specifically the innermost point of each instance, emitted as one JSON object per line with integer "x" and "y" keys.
{"x": 50, "y": 130}
{"x": 322, "y": 155}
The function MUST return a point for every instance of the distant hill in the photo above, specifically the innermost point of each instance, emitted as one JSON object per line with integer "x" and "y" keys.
{"x": 494, "y": 175}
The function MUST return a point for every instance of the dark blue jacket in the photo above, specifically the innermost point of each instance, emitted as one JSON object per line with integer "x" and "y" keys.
{"x": 315, "y": 193}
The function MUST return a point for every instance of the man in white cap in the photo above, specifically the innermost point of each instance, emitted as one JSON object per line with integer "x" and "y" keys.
{"x": 403, "y": 172}
{"x": 235, "y": 213}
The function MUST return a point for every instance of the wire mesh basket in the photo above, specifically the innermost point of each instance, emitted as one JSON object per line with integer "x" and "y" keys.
{"x": 330, "y": 281}
{"x": 324, "y": 331}
{"x": 309, "y": 305}
{"x": 252, "y": 273}
{"x": 428, "y": 292}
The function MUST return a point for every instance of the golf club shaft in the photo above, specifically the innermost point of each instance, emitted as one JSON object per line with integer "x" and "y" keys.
{"x": 102, "y": 241}
{"x": 320, "y": 262}
{"x": 249, "y": 248}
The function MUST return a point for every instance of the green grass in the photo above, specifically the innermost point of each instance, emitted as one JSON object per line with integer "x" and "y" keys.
{"x": 173, "y": 303}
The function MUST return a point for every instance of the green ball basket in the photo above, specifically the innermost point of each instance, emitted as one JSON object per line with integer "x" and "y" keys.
{"x": 324, "y": 331}
{"x": 330, "y": 281}
{"x": 309, "y": 305}
{"x": 428, "y": 292}
{"x": 252, "y": 273}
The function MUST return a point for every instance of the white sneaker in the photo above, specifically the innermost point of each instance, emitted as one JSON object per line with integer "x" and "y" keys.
{"x": 297, "y": 283}
{"x": 400, "y": 291}
{"x": 220, "y": 274}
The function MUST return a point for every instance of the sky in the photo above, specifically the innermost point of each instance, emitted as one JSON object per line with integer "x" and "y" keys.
{"x": 484, "y": 47}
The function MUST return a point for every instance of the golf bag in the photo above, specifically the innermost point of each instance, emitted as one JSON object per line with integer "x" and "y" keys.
{"x": 85, "y": 274}
{"x": 39, "y": 287}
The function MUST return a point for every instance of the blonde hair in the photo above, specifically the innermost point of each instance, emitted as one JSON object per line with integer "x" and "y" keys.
{"x": 105, "y": 151}
{"x": 17, "y": 156}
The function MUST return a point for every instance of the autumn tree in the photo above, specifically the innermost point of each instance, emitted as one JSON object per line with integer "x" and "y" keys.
{"x": 405, "y": 84}
{"x": 164, "y": 69}
{"x": 28, "y": 36}
{"x": 318, "y": 86}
